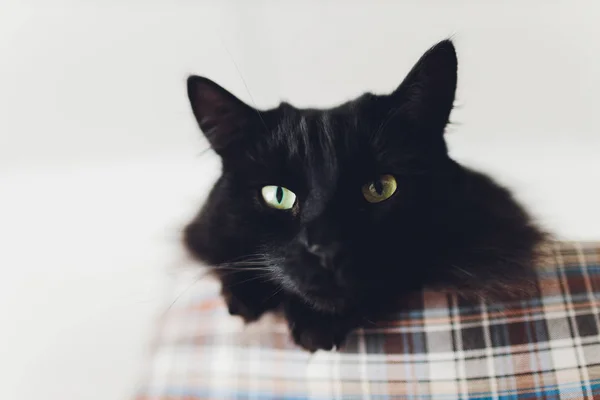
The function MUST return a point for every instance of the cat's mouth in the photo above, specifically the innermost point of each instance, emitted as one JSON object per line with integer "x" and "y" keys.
{"x": 324, "y": 294}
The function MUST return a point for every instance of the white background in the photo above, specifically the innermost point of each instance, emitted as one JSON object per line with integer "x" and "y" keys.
{"x": 101, "y": 164}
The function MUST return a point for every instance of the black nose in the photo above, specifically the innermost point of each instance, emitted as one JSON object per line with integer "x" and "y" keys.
{"x": 321, "y": 239}
{"x": 326, "y": 254}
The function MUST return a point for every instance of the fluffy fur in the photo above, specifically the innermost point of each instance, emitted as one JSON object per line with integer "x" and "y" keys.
{"x": 335, "y": 260}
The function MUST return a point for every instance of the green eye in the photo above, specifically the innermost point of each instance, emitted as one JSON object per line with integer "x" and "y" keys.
{"x": 380, "y": 189}
{"x": 278, "y": 197}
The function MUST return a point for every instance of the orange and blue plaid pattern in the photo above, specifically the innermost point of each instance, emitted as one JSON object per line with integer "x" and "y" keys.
{"x": 546, "y": 346}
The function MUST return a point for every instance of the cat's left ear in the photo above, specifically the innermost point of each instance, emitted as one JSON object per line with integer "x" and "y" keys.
{"x": 222, "y": 117}
{"x": 426, "y": 95}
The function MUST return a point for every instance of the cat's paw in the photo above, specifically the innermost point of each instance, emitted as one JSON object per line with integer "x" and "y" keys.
{"x": 313, "y": 330}
{"x": 319, "y": 336}
{"x": 237, "y": 307}
{"x": 250, "y": 301}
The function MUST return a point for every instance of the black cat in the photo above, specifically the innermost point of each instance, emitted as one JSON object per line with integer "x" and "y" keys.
{"x": 336, "y": 214}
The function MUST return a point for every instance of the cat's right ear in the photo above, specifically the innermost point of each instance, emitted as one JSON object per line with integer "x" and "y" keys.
{"x": 222, "y": 117}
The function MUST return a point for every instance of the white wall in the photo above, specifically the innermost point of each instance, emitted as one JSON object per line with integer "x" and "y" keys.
{"x": 99, "y": 154}
{"x": 95, "y": 81}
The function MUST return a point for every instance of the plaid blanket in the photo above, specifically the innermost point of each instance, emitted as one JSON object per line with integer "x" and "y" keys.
{"x": 546, "y": 346}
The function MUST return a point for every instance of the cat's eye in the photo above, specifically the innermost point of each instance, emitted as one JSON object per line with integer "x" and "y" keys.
{"x": 278, "y": 197}
{"x": 380, "y": 189}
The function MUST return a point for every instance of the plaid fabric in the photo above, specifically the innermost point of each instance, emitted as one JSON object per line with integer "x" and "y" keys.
{"x": 545, "y": 347}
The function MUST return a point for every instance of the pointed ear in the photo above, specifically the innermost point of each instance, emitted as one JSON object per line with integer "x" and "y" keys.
{"x": 222, "y": 117}
{"x": 427, "y": 93}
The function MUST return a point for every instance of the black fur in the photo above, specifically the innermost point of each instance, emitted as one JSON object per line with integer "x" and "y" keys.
{"x": 446, "y": 225}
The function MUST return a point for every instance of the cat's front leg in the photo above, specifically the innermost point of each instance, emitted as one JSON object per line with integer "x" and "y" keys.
{"x": 315, "y": 330}
{"x": 249, "y": 296}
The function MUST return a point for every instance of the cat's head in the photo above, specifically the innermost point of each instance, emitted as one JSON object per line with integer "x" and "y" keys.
{"x": 337, "y": 203}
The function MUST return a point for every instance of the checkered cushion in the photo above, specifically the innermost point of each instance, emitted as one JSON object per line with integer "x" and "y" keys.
{"x": 545, "y": 346}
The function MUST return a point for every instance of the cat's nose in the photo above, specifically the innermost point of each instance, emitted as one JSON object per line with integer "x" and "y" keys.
{"x": 326, "y": 254}
{"x": 321, "y": 239}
